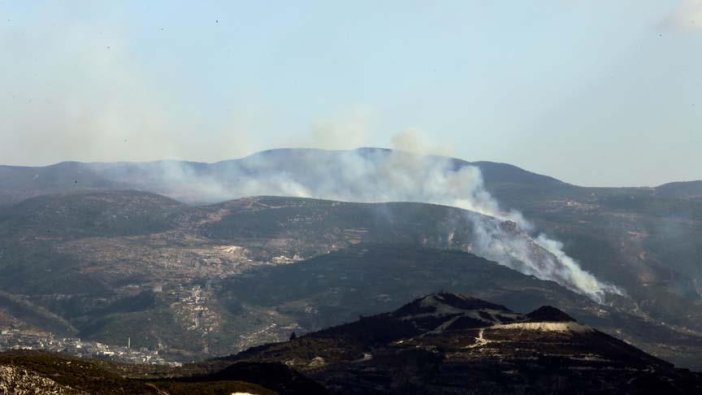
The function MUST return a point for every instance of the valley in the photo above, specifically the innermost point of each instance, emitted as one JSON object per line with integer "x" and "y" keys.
{"x": 102, "y": 264}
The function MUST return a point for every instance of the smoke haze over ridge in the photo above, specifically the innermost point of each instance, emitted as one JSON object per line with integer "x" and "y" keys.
{"x": 381, "y": 176}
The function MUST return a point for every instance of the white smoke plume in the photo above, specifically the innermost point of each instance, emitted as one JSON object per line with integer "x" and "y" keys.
{"x": 375, "y": 176}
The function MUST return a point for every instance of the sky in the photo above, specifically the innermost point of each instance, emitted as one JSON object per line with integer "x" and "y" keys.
{"x": 593, "y": 92}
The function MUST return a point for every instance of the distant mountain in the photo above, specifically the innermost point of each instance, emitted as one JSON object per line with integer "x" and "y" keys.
{"x": 93, "y": 249}
{"x": 198, "y": 183}
{"x": 690, "y": 189}
{"x": 447, "y": 343}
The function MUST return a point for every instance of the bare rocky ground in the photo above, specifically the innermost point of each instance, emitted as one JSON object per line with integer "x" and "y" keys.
{"x": 20, "y": 381}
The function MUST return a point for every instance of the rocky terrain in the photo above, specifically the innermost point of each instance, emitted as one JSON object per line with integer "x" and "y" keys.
{"x": 180, "y": 283}
{"x": 89, "y": 251}
{"x": 33, "y": 372}
{"x": 441, "y": 343}
{"x": 19, "y": 381}
{"x": 190, "y": 282}
{"x": 451, "y": 344}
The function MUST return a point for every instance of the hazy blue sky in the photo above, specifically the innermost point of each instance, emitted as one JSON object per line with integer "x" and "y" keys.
{"x": 593, "y": 92}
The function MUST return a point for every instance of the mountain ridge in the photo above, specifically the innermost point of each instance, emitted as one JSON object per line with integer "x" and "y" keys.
{"x": 450, "y": 343}
{"x": 643, "y": 241}
{"x": 239, "y": 247}
{"x": 277, "y": 151}
{"x": 439, "y": 343}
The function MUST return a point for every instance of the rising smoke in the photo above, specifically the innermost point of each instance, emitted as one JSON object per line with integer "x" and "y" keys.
{"x": 375, "y": 176}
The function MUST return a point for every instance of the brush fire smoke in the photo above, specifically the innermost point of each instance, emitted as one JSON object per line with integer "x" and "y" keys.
{"x": 373, "y": 176}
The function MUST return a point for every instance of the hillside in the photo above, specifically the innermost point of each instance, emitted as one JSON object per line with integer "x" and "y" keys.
{"x": 95, "y": 260}
{"x": 191, "y": 282}
{"x": 447, "y": 343}
{"x": 441, "y": 343}
{"x": 25, "y": 372}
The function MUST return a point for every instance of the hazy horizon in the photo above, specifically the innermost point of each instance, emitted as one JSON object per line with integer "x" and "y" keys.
{"x": 332, "y": 150}
{"x": 591, "y": 93}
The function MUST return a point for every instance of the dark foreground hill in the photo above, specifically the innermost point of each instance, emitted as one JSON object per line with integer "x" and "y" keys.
{"x": 442, "y": 343}
{"x": 31, "y": 372}
{"x": 451, "y": 344}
